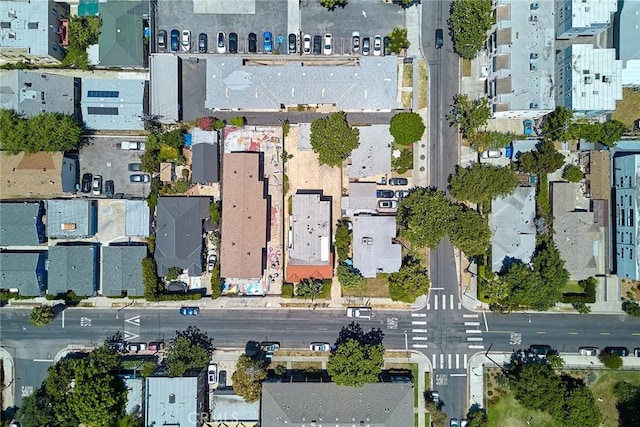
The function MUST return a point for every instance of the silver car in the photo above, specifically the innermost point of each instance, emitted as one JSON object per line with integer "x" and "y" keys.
{"x": 377, "y": 46}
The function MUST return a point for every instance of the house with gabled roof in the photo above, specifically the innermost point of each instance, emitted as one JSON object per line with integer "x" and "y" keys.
{"x": 23, "y": 272}
{"x": 205, "y": 159}
{"x": 122, "y": 270}
{"x": 21, "y": 224}
{"x": 121, "y": 37}
{"x": 73, "y": 268}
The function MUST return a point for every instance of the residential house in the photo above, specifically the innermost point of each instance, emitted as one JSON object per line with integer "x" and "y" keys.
{"x": 627, "y": 34}
{"x": 175, "y": 401}
{"x": 33, "y": 32}
{"x": 309, "y": 238}
{"x": 122, "y": 270}
{"x": 588, "y": 80}
{"x": 121, "y": 37}
{"x": 373, "y": 155}
{"x": 38, "y": 175}
{"x": 244, "y": 216}
{"x": 523, "y": 146}
{"x": 23, "y": 272}
{"x": 73, "y": 268}
{"x": 71, "y": 218}
{"x": 205, "y": 159}
{"x": 360, "y": 200}
{"x": 576, "y": 18}
{"x": 114, "y": 104}
{"x": 136, "y": 218}
{"x": 579, "y": 236}
{"x": 236, "y": 84}
{"x": 308, "y": 404}
{"x": 179, "y": 233}
{"x": 21, "y": 224}
{"x": 165, "y": 98}
{"x": 374, "y": 247}
{"x": 626, "y": 173}
{"x": 229, "y": 409}
{"x": 513, "y": 229}
{"x": 520, "y": 51}
{"x": 598, "y": 175}
{"x": 30, "y": 93}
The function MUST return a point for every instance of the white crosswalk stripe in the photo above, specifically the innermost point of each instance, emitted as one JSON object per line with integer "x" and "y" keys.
{"x": 439, "y": 302}
{"x": 418, "y": 314}
{"x": 419, "y": 331}
{"x": 465, "y": 361}
{"x": 448, "y": 361}
{"x": 418, "y": 322}
{"x": 470, "y": 316}
{"x": 476, "y": 347}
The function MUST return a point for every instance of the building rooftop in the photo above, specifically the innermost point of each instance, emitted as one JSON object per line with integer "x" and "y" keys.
{"x": 165, "y": 101}
{"x": 29, "y": 176}
{"x": 373, "y": 155}
{"x": 21, "y": 224}
{"x": 174, "y": 401}
{"x": 627, "y": 34}
{"x": 298, "y": 404}
{"x": 122, "y": 270}
{"x": 30, "y": 93}
{"x": 585, "y": 13}
{"x": 310, "y": 240}
{"x": 599, "y": 174}
{"x": 114, "y": 104}
{"x": 121, "y": 36}
{"x": 513, "y": 229}
{"x": 137, "y": 217}
{"x": 371, "y": 85}
{"x": 374, "y": 250}
{"x": 23, "y": 271}
{"x": 244, "y": 216}
{"x": 205, "y": 163}
{"x": 70, "y": 218}
{"x": 72, "y": 268}
{"x": 226, "y": 402}
{"x": 361, "y": 199}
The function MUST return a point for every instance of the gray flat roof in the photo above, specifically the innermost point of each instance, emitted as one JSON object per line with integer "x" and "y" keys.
{"x": 126, "y": 97}
{"x": 30, "y": 93}
{"x": 361, "y": 198}
{"x": 23, "y": 271}
{"x": 173, "y": 401}
{"x": 226, "y": 402}
{"x": 310, "y": 242}
{"x": 164, "y": 87}
{"x": 122, "y": 270}
{"x": 373, "y": 155}
{"x": 68, "y": 219}
{"x": 21, "y": 224}
{"x": 72, "y": 268}
{"x": 373, "y": 249}
{"x": 136, "y": 218}
{"x": 372, "y": 85}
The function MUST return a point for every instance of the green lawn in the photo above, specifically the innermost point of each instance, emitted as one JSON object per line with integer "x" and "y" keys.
{"x": 377, "y": 288}
{"x": 572, "y": 287}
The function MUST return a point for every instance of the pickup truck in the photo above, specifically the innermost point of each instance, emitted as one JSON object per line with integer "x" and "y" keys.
{"x": 127, "y": 145}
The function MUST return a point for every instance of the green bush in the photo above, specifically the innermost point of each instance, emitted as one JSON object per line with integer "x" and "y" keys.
{"x": 573, "y": 173}
{"x": 611, "y": 361}
{"x": 406, "y": 128}
{"x": 632, "y": 308}
{"x": 342, "y": 241}
{"x": 349, "y": 277}
{"x": 6, "y": 296}
{"x": 237, "y": 121}
{"x": 173, "y": 273}
{"x": 287, "y": 290}
{"x": 175, "y": 297}
{"x": 587, "y": 297}
{"x": 216, "y": 282}
{"x": 403, "y": 163}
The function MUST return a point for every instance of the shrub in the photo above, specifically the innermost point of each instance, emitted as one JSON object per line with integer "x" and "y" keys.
{"x": 573, "y": 173}
{"x": 173, "y": 273}
{"x": 218, "y": 124}
{"x": 175, "y": 297}
{"x": 287, "y": 290}
{"x": 342, "y": 241}
{"x": 286, "y": 127}
{"x": 406, "y": 128}
{"x": 237, "y": 121}
{"x": 611, "y": 361}
{"x": 349, "y": 277}
{"x": 632, "y": 308}
{"x": 216, "y": 282}
{"x": 589, "y": 295}
{"x": 205, "y": 123}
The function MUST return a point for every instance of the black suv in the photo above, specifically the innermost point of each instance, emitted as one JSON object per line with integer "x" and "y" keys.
{"x": 540, "y": 349}
{"x": 317, "y": 45}
{"x": 620, "y": 351}
{"x": 87, "y": 179}
{"x": 439, "y": 38}
{"x": 293, "y": 43}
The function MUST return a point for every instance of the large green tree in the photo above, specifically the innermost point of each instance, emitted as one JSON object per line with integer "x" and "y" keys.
{"x": 424, "y": 217}
{"x": 469, "y": 114}
{"x": 190, "y": 349}
{"x": 484, "y": 140}
{"x": 349, "y": 277}
{"x": 44, "y": 132}
{"x": 84, "y": 31}
{"x": 355, "y": 364}
{"x": 342, "y": 241}
{"x": 481, "y": 182}
{"x": 333, "y": 139}
{"x": 398, "y": 40}
{"x": 409, "y": 283}
{"x": 469, "y": 231}
{"x": 556, "y": 125}
{"x": 545, "y": 159}
{"x": 628, "y": 396}
{"x": 469, "y": 22}
{"x": 36, "y": 409}
{"x": 406, "y": 128}
{"x": 248, "y": 377}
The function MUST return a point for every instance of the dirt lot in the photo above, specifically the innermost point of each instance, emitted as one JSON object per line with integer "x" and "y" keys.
{"x": 30, "y": 176}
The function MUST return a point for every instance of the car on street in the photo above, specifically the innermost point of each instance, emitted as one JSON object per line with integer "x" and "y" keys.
{"x": 366, "y": 46}
{"x": 212, "y": 373}
{"x": 87, "y": 179}
{"x": 135, "y": 347}
{"x": 439, "y": 38}
{"x": 96, "y": 186}
{"x": 186, "y": 39}
{"x": 620, "y": 351}
{"x": 401, "y": 194}
{"x": 398, "y": 181}
{"x": 385, "y": 194}
{"x": 139, "y": 177}
{"x": 156, "y": 345}
{"x": 269, "y": 346}
{"x": 386, "y": 43}
{"x": 435, "y": 396}
{"x": 387, "y": 204}
{"x": 377, "y": 45}
{"x": 267, "y": 42}
{"x": 162, "y": 39}
{"x": 109, "y": 188}
{"x": 328, "y": 44}
{"x": 175, "y": 36}
{"x": 133, "y": 145}
{"x": 360, "y": 312}
{"x": 317, "y": 45}
{"x": 189, "y": 311}
{"x": 233, "y": 43}
{"x": 320, "y": 346}
{"x": 221, "y": 46}
{"x": 636, "y": 352}
{"x": 212, "y": 258}
{"x": 355, "y": 42}
{"x": 253, "y": 42}
{"x": 293, "y": 43}
{"x": 306, "y": 44}
{"x": 454, "y": 422}
{"x": 202, "y": 43}
{"x": 116, "y": 345}
{"x": 134, "y": 167}
{"x": 540, "y": 349}
{"x": 588, "y": 351}
{"x": 464, "y": 423}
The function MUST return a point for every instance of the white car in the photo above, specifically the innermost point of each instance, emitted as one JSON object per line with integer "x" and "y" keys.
{"x": 212, "y": 258}
{"x": 220, "y": 43}
{"x": 306, "y": 44}
{"x": 355, "y": 42}
{"x": 96, "y": 187}
{"x": 589, "y": 351}
{"x": 360, "y": 312}
{"x": 186, "y": 39}
{"x": 320, "y": 346}
{"x": 328, "y": 39}
{"x": 377, "y": 46}
{"x": 212, "y": 373}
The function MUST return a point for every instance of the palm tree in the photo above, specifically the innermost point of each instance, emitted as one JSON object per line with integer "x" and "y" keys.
{"x": 42, "y": 315}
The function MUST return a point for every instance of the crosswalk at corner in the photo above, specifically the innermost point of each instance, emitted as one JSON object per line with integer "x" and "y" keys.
{"x": 473, "y": 331}
{"x": 419, "y": 330}
{"x": 443, "y": 302}
{"x": 449, "y": 361}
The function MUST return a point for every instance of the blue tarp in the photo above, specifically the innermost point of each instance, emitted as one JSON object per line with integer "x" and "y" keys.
{"x": 187, "y": 139}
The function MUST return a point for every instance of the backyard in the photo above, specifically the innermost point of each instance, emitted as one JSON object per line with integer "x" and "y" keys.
{"x": 377, "y": 287}
{"x": 628, "y": 109}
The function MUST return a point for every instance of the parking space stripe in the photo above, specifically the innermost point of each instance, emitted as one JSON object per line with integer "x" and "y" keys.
{"x": 470, "y": 316}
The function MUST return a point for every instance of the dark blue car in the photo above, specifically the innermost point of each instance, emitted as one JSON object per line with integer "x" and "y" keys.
{"x": 189, "y": 311}
{"x": 175, "y": 40}
{"x": 267, "y": 42}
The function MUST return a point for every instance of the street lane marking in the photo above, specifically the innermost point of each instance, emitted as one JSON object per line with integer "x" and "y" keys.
{"x": 471, "y": 323}
{"x": 420, "y": 338}
{"x": 486, "y": 326}
{"x": 442, "y": 361}
{"x": 128, "y": 336}
{"x": 449, "y": 361}
{"x": 605, "y": 333}
{"x": 451, "y": 302}
{"x": 418, "y": 314}
{"x": 574, "y": 333}
{"x": 477, "y": 347}
{"x": 470, "y": 316}
{"x": 419, "y": 331}
{"x": 541, "y": 332}
{"x": 459, "y": 305}
{"x": 418, "y": 322}
{"x": 428, "y": 306}
{"x": 433, "y": 360}
{"x": 435, "y": 302}
{"x": 420, "y": 346}
{"x": 135, "y": 320}
{"x": 635, "y": 333}
{"x": 474, "y": 331}
{"x": 62, "y": 319}
{"x": 437, "y": 289}
{"x": 465, "y": 360}
{"x": 457, "y": 361}
{"x": 444, "y": 302}
{"x": 458, "y": 375}
{"x": 43, "y": 360}
{"x": 474, "y": 338}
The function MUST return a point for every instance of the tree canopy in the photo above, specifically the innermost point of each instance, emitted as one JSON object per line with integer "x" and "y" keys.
{"x": 469, "y": 22}
{"x": 332, "y": 4}
{"x": 247, "y": 378}
{"x": 545, "y": 159}
{"x": 555, "y": 126}
{"x": 484, "y": 140}
{"x": 469, "y": 114}
{"x": 573, "y": 173}
{"x": 190, "y": 349}
{"x": 409, "y": 283}
{"x": 398, "y": 40}
{"x": 333, "y": 139}
{"x": 607, "y": 133}
{"x": 406, "y": 128}
{"x": 41, "y": 315}
{"x": 342, "y": 241}
{"x": 44, "y": 132}
{"x": 355, "y": 364}
{"x": 611, "y": 361}
{"x": 628, "y": 396}
{"x": 481, "y": 182}
{"x": 349, "y": 277}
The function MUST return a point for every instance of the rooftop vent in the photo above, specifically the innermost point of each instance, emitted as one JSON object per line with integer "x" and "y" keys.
{"x": 606, "y": 79}
{"x": 533, "y": 56}
{"x": 534, "y": 6}
{"x": 533, "y": 105}
{"x": 588, "y": 80}
{"x": 533, "y": 66}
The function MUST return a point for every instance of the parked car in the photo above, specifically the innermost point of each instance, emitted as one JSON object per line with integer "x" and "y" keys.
{"x": 109, "y": 189}
{"x": 328, "y": 44}
{"x": 360, "y": 312}
{"x": 136, "y": 145}
{"x": 377, "y": 45}
{"x": 491, "y": 154}
{"x": 87, "y": 178}
{"x": 156, "y": 346}
{"x": 267, "y": 42}
{"x": 189, "y": 311}
{"x": 366, "y": 46}
{"x": 588, "y": 351}
{"x": 620, "y": 351}
{"x": 401, "y": 194}
{"x": 96, "y": 186}
{"x": 355, "y": 42}
{"x": 387, "y": 204}
{"x": 464, "y": 423}
{"x": 435, "y": 396}
{"x": 117, "y": 345}
{"x": 212, "y": 373}
{"x": 139, "y": 177}
{"x": 162, "y": 39}
{"x": 202, "y": 43}
{"x": 454, "y": 422}
{"x": 186, "y": 39}
{"x": 134, "y": 167}
{"x": 221, "y": 46}
{"x": 306, "y": 44}
{"x": 233, "y": 43}
{"x": 540, "y": 349}
{"x": 222, "y": 379}
{"x": 270, "y": 347}
{"x": 212, "y": 258}
{"x": 636, "y": 352}
{"x": 320, "y": 346}
{"x": 385, "y": 194}
{"x": 175, "y": 35}
{"x": 135, "y": 347}
{"x": 253, "y": 43}
{"x": 439, "y": 38}
{"x": 317, "y": 45}
{"x": 398, "y": 181}
{"x": 293, "y": 43}
{"x": 386, "y": 43}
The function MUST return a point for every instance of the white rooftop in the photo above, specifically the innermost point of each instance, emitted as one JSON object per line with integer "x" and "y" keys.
{"x": 588, "y": 12}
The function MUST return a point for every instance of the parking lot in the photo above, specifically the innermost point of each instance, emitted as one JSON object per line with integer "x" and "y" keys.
{"x": 103, "y": 156}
